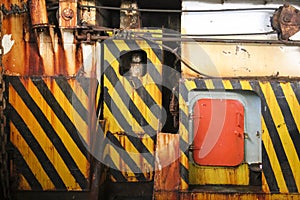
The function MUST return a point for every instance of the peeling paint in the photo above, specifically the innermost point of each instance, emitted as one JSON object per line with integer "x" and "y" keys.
{"x": 7, "y": 43}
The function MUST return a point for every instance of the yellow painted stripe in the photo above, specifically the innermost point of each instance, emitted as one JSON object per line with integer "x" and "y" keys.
{"x": 227, "y": 84}
{"x": 183, "y": 185}
{"x": 183, "y": 105}
{"x": 130, "y": 148}
{"x": 81, "y": 95}
{"x": 73, "y": 115}
{"x": 209, "y": 84}
{"x": 23, "y": 183}
{"x": 32, "y": 161}
{"x": 76, "y": 154}
{"x": 113, "y": 125}
{"x": 122, "y": 107}
{"x": 265, "y": 187}
{"x": 98, "y": 96}
{"x": 120, "y": 163}
{"x": 43, "y": 140}
{"x": 149, "y": 143}
{"x": 144, "y": 109}
{"x": 190, "y": 85}
{"x": 245, "y": 85}
{"x": 273, "y": 158}
{"x": 283, "y": 133}
{"x": 134, "y": 153}
{"x": 292, "y": 101}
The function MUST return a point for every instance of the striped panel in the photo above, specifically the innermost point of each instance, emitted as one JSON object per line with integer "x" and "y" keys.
{"x": 183, "y": 145}
{"x": 280, "y": 127}
{"x": 132, "y": 110}
{"x": 49, "y": 130}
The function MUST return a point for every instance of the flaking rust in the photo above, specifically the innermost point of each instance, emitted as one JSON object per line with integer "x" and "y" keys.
{"x": 286, "y": 21}
{"x": 39, "y": 49}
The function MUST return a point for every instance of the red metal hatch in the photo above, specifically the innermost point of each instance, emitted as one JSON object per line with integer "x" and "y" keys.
{"x": 219, "y": 132}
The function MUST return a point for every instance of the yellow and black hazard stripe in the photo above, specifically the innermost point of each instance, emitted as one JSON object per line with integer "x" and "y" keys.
{"x": 280, "y": 126}
{"x": 132, "y": 110}
{"x": 49, "y": 131}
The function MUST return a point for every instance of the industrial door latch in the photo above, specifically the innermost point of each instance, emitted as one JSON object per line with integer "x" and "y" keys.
{"x": 286, "y": 21}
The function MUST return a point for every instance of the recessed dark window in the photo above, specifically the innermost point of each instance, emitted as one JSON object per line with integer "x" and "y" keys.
{"x": 133, "y": 63}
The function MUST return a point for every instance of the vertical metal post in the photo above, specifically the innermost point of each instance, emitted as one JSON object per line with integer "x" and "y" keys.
{"x": 129, "y": 16}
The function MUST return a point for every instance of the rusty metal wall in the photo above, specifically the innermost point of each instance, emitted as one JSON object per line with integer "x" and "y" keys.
{"x": 51, "y": 92}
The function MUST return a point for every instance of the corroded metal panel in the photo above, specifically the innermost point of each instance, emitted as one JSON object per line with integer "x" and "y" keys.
{"x": 132, "y": 110}
{"x": 50, "y": 128}
{"x": 167, "y": 177}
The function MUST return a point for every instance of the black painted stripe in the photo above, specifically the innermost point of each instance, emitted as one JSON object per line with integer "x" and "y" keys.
{"x": 218, "y": 84}
{"x": 200, "y": 84}
{"x": 98, "y": 100}
{"x": 236, "y": 84}
{"x": 156, "y": 48}
{"x": 116, "y": 113}
{"x": 287, "y": 115}
{"x": 184, "y": 92}
{"x": 72, "y": 97}
{"x": 17, "y": 120}
{"x": 184, "y": 147}
{"x": 296, "y": 89}
{"x": 142, "y": 149}
{"x": 23, "y": 168}
{"x": 50, "y": 132}
{"x": 184, "y": 119}
{"x": 277, "y": 143}
{"x": 268, "y": 171}
{"x": 61, "y": 115}
{"x": 147, "y": 98}
{"x": 113, "y": 169}
{"x": 112, "y": 77}
{"x": 184, "y": 173}
{"x": 83, "y": 82}
{"x": 125, "y": 157}
{"x": 154, "y": 73}
{"x": 130, "y": 134}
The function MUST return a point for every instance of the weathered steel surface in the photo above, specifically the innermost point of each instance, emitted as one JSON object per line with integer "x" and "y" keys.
{"x": 286, "y": 21}
{"x": 167, "y": 163}
{"x": 38, "y": 13}
{"x": 42, "y": 51}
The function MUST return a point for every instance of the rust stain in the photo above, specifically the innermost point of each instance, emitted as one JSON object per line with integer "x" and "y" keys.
{"x": 38, "y": 12}
{"x": 38, "y": 50}
{"x": 167, "y": 175}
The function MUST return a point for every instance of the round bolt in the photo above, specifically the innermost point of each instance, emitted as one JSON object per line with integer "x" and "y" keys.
{"x": 67, "y": 14}
{"x": 286, "y": 18}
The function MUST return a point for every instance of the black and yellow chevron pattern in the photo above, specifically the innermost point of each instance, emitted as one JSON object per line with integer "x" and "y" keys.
{"x": 132, "y": 110}
{"x": 49, "y": 131}
{"x": 280, "y": 128}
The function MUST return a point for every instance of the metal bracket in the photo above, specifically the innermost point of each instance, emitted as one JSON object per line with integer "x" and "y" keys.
{"x": 286, "y": 21}
{"x": 68, "y": 13}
